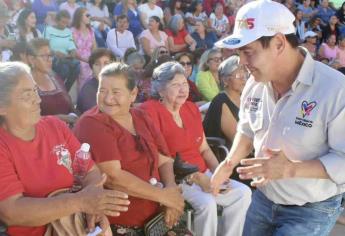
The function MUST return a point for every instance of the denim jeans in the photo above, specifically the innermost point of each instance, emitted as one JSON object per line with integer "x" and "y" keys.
{"x": 265, "y": 218}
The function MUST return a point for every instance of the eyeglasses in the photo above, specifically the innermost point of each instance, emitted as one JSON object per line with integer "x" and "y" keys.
{"x": 29, "y": 95}
{"x": 87, "y": 15}
{"x": 163, "y": 52}
{"x": 45, "y": 57}
{"x": 188, "y": 63}
{"x": 216, "y": 59}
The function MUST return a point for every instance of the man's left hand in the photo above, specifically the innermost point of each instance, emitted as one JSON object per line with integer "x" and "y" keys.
{"x": 275, "y": 165}
{"x": 171, "y": 217}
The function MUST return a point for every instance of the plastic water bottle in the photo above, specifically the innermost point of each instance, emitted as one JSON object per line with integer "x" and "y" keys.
{"x": 80, "y": 166}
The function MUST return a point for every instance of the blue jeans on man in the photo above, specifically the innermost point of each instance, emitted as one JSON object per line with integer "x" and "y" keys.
{"x": 265, "y": 218}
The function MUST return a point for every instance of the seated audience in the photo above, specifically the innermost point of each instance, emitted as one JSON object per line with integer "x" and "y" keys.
{"x": 26, "y": 26}
{"x": 341, "y": 51}
{"x": 196, "y": 14}
{"x": 219, "y": 21}
{"x": 310, "y": 40}
{"x": 45, "y": 11}
{"x": 100, "y": 20}
{"x": 36, "y": 160}
{"x": 153, "y": 37}
{"x": 187, "y": 61}
{"x": 222, "y": 115}
{"x": 87, "y": 95}
{"x": 129, "y": 149}
{"x": 70, "y": 5}
{"x": 85, "y": 41}
{"x": 149, "y": 9}
{"x": 332, "y": 27}
{"x": 129, "y": 8}
{"x": 207, "y": 78}
{"x": 203, "y": 37}
{"x": 180, "y": 123}
{"x": 64, "y": 49}
{"x": 54, "y": 97}
{"x": 329, "y": 48}
{"x": 179, "y": 39}
{"x": 120, "y": 39}
{"x": 324, "y": 12}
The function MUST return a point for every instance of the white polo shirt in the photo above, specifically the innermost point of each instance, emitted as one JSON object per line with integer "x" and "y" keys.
{"x": 307, "y": 123}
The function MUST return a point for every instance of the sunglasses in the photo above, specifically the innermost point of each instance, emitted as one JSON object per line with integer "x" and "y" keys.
{"x": 163, "y": 52}
{"x": 185, "y": 63}
{"x": 87, "y": 15}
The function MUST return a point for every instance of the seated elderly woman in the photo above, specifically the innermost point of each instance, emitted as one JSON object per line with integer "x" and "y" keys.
{"x": 87, "y": 95}
{"x": 35, "y": 160}
{"x": 180, "y": 123}
{"x": 179, "y": 39}
{"x": 222, "y": 115}
{"x": 54, "y": 97}
{"x": 207, "y": 79}
{"x": 129, "y": 149}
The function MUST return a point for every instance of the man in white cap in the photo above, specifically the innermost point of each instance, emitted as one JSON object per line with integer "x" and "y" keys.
{"x": 292, "y": 112}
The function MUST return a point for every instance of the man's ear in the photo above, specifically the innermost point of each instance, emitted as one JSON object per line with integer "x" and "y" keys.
{"x": 279, "y": 42}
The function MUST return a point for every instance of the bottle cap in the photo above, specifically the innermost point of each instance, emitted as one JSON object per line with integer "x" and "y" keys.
{"x": 153, "y": 181}
{"x": 85, "y": 147}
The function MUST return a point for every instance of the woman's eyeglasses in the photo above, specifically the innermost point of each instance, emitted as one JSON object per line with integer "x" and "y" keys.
{"x": 185, "y": 63}
{"x": 87, "y": 15}
{"x": 216, "y": 59}
{"x": 163, "y": 52}
{"x": 45, "y": 57}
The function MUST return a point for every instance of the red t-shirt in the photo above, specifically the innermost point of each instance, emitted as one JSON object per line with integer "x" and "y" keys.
{"x": 187, "y": 140}
{"x": 137, "y": 154}
{"x": 34, "y": 168}
{"x": 179, "y": 38}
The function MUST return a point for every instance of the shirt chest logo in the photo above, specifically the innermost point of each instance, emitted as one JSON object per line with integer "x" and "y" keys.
{"x": 63, "y": 157}
{"x": 252, "y": 104}
{"x": 306, "y": 109}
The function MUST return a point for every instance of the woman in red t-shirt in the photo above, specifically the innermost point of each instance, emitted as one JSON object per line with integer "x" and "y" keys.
{"x": 180, "y": 123}
{"x": 36, "y": 157}
{"x": 128, "y": 148}
{"x": 179, "y": 39}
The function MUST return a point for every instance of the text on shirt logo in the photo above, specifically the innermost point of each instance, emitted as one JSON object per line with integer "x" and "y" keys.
{"x": 306, "y": 108}
{"x": 252, "y": 104}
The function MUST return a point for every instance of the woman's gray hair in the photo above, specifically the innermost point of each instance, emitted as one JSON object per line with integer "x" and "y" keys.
{"x": 174, "y": 23}
{"x": 162, "y": 75}
{"x": 227, "y": 67}
{"x": 10, "y": 74}
{"x": 135, "y": 58}
{"x": 205, "y": 57}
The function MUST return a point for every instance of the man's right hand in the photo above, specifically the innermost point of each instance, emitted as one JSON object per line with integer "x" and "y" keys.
{"x": 96, "y": 200}
{"x": 220, "y": 175}
{"x": 172, "y": 198}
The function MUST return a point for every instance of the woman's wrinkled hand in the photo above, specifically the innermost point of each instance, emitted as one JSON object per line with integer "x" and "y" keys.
{"x": 96, "y": 200}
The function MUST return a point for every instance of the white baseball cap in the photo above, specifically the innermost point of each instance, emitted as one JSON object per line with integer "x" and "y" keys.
{"x": 256, "y": 19}
{"x": 310, "y": 34}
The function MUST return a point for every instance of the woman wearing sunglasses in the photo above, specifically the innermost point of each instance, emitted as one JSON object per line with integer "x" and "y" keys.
{"x": 207, "y": 79}
{"x": 186, "y": 60}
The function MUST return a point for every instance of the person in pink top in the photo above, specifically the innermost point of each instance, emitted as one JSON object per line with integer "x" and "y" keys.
{"x": 85, "y": 41}
{"x": 153, "y": 37}
{"x": 341, "y": 51}
{"x": 329, "y": 49}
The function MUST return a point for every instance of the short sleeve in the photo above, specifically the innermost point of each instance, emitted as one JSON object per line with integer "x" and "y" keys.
{"x": 10, "y": 184}
{"x": 100, "y": 137}
{"x": 164, "y": 36}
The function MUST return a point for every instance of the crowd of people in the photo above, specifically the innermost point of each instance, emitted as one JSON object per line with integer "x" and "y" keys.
{"x": 145, "y": 82}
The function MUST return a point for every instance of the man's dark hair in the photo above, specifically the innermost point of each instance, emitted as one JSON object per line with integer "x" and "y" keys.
{"x": 62, "y": 14}
{"x": 98, "y": 53}
{"x": 291, "y": 38}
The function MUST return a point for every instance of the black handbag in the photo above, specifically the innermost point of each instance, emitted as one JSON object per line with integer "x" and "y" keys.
{"x": 183, "y": 169}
